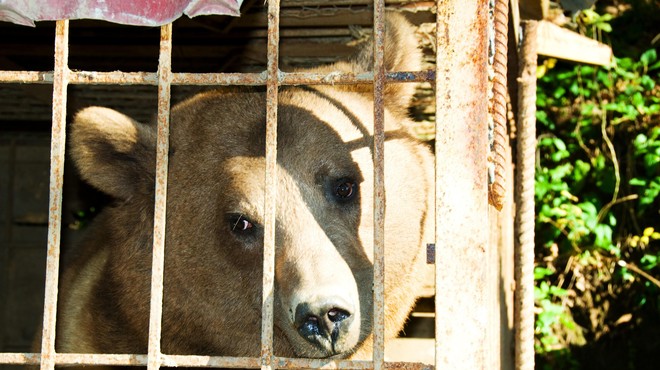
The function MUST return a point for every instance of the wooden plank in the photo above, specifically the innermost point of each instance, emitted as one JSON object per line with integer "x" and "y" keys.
{"x": 554, "y": 41}
{"x": 534, "y": 9}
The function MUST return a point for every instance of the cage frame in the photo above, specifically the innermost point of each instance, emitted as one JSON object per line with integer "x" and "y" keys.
{"x": 459, "y": 99}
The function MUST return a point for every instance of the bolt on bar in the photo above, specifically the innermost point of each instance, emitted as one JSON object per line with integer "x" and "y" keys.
{"x": 160, "y": 201}
{"x": 268, "y": 285}
{"x": 57, "y": 145}
{"x": 461, "y": 184}
{"x": 379, "y": 186}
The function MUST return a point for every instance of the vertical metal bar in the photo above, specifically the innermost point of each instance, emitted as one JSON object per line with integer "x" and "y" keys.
{"x": 461, "y": 184}
{"x": 271, "y": 181}
{"x": 499, "y": 111}
{"x": 160, "y": 202}
{"x": 524, "y": 197}
{"x": 379, "y": 186}
{"x": 57, "y": 144}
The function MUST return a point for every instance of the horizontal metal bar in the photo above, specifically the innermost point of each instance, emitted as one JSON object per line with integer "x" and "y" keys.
{"x": 100, "y": 359}
{"x": 26, "y": 77}
{"x": 200, "y": 361}
{"x": 20, "y": 358}
{"x": 211, "y": 361}
{"x": 211, "y": 79}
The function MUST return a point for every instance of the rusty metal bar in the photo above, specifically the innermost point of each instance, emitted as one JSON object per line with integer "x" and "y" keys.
{"x": 211, "y": 361}
{"x": 100, "y": 359}
{"x": 379, "y": 186}
{"x": 523, "y": 309}
{"x": 270, "y": 197}
{"x": 461, "y": 184}
{"x": 26, "y": 77}
{"x": 57, "y": 145}
{"x": 68, "y": 359}
{"x": 20, "y": 358}
{"x": 115, "y": 78}
{"x": 212, "y": 79}
{"x": 160, "y": 202}
{"x": 499, "y": 109}
{"x": 306, "y": 363}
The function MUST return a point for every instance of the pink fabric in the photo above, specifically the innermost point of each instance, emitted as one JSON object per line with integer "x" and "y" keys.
{"x": 133, "y": 12}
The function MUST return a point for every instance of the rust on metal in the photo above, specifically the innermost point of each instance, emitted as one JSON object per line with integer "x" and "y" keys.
{"x": 26, "y": 77}
{"x": 461, "y": 150}
{"x": 100, "y": 359}
{"x": 270, "y": 197}
{"x": 308, "y": 363}
{"x": 499, "y": 108}
{"x": 57, "y": 145}
{"x": 20, "y": 358}
{"x": 213, "y": 79}
{"x": 523, "y": 308}
{"x": 68, "y": 359}
{"x": 408, "y": 366}
{"x": 211, "y": 361}
{"x": 115, "y": 78}
{"x": 160, "y": 202}
{"x": 379, "y": 186}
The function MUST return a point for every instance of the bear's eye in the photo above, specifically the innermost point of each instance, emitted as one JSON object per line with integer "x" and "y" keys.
{"x": 240, "y": 224}
{"x": 345, "y": 189}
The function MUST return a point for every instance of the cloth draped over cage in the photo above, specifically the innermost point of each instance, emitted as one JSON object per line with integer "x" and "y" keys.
{"x": 134, "y": 12}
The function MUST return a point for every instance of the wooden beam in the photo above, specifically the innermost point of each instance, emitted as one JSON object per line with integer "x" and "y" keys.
{"x": 554, "y": 41}
{"x": 534, "y": 9}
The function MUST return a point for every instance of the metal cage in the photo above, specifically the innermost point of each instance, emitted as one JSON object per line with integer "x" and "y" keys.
{"x": 470, "y": 89}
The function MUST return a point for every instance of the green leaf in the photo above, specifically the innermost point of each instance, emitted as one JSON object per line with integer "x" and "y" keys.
{"x": 625, "y": 63}
{"x": 588, "y": 208}
{"x": 581, "y": 170}
{"x": 559, "y": 92}
{"x": 637, "y": 182}
{"x": 638, "y": 99}
{"x": 648, "y": 261}
{"x": 605, "y": 27}
{"x": 559, "y": 143}
{"x": 647, "y": 82}
{"x": 651, "y": 162}
{"x": 542, "y": 272}
{"x": 648, "y": 57}
{"x": 603, "y": 237}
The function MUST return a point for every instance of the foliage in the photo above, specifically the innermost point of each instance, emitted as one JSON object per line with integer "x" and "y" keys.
{"x": 597, "y": 195}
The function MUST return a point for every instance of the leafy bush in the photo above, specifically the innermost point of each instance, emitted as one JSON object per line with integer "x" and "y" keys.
{"x": 597, "y": 203}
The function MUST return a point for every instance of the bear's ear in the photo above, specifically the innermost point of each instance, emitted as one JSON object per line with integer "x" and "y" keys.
{"x": 113, "y": 152}
{"x": 401, "y": 54}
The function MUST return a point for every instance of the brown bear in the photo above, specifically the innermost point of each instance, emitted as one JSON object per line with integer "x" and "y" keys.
{"x": 214, "y": 226}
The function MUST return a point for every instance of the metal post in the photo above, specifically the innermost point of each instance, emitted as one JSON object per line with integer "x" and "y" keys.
{"x": 160, "y": 202}
{"x": 461, "y": 184}
{"x": 524, "y": 198}
{"x": 57, "y": 144}
{"x": 270, "y": 201}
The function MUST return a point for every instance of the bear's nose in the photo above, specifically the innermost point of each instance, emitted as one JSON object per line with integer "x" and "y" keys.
{"x": 324, "y": 324}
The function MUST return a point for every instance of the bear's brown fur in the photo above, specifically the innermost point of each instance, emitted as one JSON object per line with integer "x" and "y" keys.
{"x": 214, "y": 228}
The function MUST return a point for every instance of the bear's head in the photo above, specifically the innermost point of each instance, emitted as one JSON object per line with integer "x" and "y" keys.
{"x": 215, "y": 214}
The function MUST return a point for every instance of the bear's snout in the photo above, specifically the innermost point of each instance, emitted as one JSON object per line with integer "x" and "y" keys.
{"x": 325, "y": 323}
